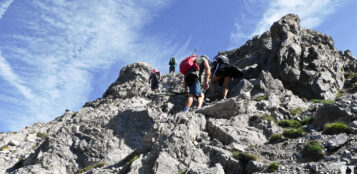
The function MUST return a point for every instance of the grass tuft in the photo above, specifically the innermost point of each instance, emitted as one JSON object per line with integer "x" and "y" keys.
{"x": 305, "y": 121}
{"x": 135, "y": 157}
{"x": 336, "y": 128}
{"x": 4, "y": 148}
{"x": 268, "y": 117}
{"x": 340, "y": 93}
{"x": 100, "y": 164}
{"x": 41, "y": 135}
{"x": 293, "y": 132}
{"x": 351, "y": 76}
{"x": 243, "y": 156}
{"x": 296, "y": 111}
{"x": 261, "y": 98}
{"x": 181, "y": 172}
{"x": 276, "y": 138}
{"x": 289, "y": 123}
{"x": 322, "y": 101}
{"x": 313, "y": 151}
{"x": 273, "y": 167}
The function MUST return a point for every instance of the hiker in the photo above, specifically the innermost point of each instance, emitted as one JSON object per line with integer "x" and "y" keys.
{"x": 192, "y": 67}
{"x": 223, "y": 71}
{"x": 203, "y": 65}
{"x": 172, "y": 64}
{"x": 155, "y": 78}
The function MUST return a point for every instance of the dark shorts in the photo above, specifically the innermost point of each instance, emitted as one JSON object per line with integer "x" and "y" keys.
{"x": 155, "y": 85}
{"x": 172, "y": 69}
{"x": 195, "y": 89}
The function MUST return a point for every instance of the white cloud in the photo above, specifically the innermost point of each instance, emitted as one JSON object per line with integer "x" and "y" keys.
{"x": 311, "y": 12}
{"x": 66, "y": 42}
{"x": 4, "y": 6}
{"x": 7, "y": 73}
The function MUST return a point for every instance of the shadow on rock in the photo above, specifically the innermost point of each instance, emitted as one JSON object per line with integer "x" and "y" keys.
{"x": 131, "y": 126}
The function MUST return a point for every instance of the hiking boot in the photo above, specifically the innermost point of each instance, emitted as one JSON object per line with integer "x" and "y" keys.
{"x": 185, "y": 109}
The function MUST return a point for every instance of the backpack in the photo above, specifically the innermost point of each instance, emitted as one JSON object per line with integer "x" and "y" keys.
{"x": 172, "y": 61}
{"x": 190, "y": 69}
{"x": 188, "y": 64}
{"x": 222, "y": 59}
{"x": 156, "y": 75}
{"x": 191, "y": 77}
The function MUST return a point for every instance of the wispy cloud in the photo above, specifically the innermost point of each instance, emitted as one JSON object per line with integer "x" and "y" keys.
{"x": 4, "y": 6}
{"x": 311, "y": 12}
{"x": 7, "y": 73}
{"x": 61, "y": 44}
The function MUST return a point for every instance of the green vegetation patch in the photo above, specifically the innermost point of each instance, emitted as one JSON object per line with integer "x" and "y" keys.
{"x": 181, "y": 172}
{"x": 261, "y": 98}
{"x": 313, "y": 151}
{"x": 276, "y": 138}
{"x": 312, "y": 109}
{"x": 100, "y": 164}
{"x": 135, "y": 157}
{"x": 297, "y": 111}
{"x": 305, "y": 121}
{"x": 293, "y": 132}
{"x": 322, "y": 101}
{"x": 41, "y": 135}
{"x": 243, "y": 156}
{"x": 340, "y": 93}
{"x": 273, "y": 167}
{"x": 4, "y": 148}
{"x": 351, "y": 76}
{"x": 289, "y": 123}
{"x": 267, "y": 117}
{"x": 336, "y": 128}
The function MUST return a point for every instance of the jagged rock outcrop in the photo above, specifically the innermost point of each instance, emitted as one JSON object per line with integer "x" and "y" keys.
{"x": 132, "y": 129}
{"x": 304, "y": 60}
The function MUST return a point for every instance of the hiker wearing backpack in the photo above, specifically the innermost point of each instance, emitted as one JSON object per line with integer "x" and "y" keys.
{"x": 203, "y": 66}
{"x": 192, "y": 69}
{"x": 155, "y": 78}
{"x": 222, "y": 72}
{"x": 172, "y": 64}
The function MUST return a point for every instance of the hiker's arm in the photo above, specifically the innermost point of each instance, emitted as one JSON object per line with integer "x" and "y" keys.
{"x": 149, "y": 79}
{"x": 208, "y": 73}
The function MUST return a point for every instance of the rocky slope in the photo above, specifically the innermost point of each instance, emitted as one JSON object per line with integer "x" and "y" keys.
{"x": 133, "y": 130}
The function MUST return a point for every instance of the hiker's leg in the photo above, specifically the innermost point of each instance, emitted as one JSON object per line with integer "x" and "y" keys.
{"x": 200, "y": 100}
{"x": 225, "y": 86}
{"x": 215, "y": 79}
{"x": 189, "y": 101}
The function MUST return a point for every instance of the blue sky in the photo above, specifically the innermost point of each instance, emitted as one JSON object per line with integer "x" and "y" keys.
{"x": 58, "y": 54}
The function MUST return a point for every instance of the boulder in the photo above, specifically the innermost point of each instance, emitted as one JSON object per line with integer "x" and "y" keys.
{"x": 329, "y": 113}
{"x": 337, "y": 141}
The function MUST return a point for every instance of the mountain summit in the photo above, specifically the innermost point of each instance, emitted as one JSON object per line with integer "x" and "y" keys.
{"x": 294, "y": 111}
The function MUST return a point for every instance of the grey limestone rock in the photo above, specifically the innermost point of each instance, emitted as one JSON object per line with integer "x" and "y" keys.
{"x": 337, "y": 141}
{"x": 329, "y": 113}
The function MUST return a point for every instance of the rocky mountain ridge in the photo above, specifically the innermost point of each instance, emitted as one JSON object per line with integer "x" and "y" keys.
{"x": 295, "y": 82}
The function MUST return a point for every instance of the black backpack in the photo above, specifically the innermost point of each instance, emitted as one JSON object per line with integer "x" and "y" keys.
{"x": 222, "y": 59}
{"x": 191, "y": 77}
{"x": 156, "y": 76}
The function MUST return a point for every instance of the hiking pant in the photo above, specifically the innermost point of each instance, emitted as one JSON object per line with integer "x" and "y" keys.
{"x": 172, "y": 69}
